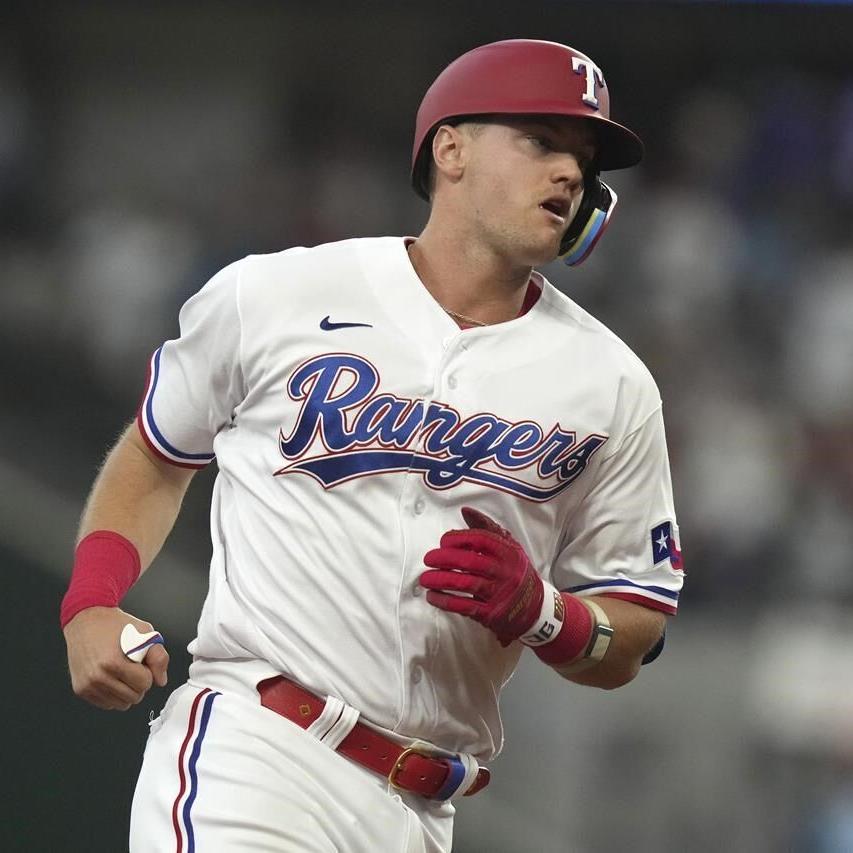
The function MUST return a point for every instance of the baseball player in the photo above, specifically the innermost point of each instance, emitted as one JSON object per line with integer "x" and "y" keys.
{"x": 429, "y": 460}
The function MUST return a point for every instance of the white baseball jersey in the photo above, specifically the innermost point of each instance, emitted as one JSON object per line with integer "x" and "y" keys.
{"x": 351, "y": 418}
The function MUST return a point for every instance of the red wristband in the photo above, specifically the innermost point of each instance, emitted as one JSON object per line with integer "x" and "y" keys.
{"x": 574, "y": 636}
{"x": 106, "y": 565}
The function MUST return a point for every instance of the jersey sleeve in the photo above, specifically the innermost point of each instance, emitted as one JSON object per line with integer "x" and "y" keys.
{"x": 195, "y": 381}
{"x": 623, "y": 540}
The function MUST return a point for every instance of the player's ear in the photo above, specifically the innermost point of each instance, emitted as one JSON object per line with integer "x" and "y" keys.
{"x": 448, "y": 152}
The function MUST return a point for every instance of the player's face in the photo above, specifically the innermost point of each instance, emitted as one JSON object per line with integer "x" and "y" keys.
{"x": 523, "y": 183}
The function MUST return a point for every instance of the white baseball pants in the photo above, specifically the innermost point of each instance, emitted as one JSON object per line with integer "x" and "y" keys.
{"x": 222, "y": 774}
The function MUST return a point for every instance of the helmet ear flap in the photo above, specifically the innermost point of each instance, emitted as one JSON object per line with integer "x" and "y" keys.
{"x": 590, "y": 222}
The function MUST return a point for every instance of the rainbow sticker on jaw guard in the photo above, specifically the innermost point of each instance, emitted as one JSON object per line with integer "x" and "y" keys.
{"x": 584, "y": 243}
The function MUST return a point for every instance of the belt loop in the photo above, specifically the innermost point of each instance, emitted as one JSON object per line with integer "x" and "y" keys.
{"x": 334, "y": 723}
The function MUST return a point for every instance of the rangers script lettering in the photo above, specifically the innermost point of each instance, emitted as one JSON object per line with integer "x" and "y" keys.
{"x": 341, "y": 409}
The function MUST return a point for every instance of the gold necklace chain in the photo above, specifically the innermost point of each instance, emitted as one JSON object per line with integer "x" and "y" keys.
{"x": 456, "y": 315}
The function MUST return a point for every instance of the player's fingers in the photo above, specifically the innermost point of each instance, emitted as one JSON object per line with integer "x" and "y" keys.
{"x": 457, "y": 582}
{"x": 110, "y": 693}
{"x": 100, "y": 699}
{"x": 137, "y": 676}
{"x": 157, "y": 662}
{"x": 98, "y": 676}
{"x": 454, "y": 603}
{"x": 479, "y": 541}
{"x": 460, "y": 560}
{"x": 124, "y": 694}
{"x": 477, "y": 520}
{"x": 108, "y": 701}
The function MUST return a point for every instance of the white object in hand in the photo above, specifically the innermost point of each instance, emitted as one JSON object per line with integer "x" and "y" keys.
{"x": 135, "y": 644}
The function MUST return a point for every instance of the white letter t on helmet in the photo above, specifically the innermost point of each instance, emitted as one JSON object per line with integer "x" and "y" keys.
{"x": 593, "y": 77}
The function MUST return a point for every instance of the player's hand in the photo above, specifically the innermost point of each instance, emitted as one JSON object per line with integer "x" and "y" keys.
{"x": 100, "y": 671}
{"x": 483, "y": 573}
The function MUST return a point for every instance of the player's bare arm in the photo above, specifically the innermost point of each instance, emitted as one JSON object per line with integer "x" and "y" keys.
{"x": 636, "y": 630}
{"x": 137, "y": 496}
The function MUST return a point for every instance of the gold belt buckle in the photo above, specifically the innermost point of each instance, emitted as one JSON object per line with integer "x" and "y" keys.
{"x": 398, "y": 766}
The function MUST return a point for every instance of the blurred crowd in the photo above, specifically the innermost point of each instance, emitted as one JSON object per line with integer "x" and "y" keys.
{"x": 128, "y": 177}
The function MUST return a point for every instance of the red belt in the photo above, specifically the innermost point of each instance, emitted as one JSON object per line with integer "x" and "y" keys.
{"x": 434, "y": 777}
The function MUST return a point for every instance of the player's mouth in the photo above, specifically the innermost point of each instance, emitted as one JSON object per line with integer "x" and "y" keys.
{"x": 557, "y": 208}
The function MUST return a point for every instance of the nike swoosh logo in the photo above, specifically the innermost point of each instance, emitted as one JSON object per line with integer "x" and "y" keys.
{"x": 328, "y": 326}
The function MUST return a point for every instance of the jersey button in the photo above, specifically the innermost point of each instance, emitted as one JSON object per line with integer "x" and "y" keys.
{"x": 420, "y": 506}
{"x": 451, "y": 382}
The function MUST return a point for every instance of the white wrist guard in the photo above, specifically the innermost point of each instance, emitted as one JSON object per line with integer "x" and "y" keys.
{"x": 550, "y": 621}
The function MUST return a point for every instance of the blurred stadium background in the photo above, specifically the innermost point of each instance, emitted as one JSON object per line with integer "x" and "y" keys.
{"x": 144, "y": 146}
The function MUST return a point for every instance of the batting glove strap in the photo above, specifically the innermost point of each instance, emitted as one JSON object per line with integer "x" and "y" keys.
{"x": 573, "y": 639}
{"x": 550, "y": 621}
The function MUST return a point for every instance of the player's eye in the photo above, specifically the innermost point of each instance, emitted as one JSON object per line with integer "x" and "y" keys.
{"x": 541, "y": 142}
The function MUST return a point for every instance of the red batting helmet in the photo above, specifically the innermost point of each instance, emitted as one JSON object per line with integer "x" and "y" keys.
{"x": 522, "y": 77}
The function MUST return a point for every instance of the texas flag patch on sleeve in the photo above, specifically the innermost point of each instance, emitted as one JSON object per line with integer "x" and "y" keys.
{"x": 665, "y": 546}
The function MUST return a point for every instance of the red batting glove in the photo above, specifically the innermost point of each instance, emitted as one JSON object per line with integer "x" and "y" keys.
{"x": 483, "y": 573}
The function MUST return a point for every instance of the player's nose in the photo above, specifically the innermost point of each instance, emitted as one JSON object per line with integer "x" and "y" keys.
{"x": 566, "y": 170}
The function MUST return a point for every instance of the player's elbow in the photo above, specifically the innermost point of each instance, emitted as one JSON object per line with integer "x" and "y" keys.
{"x": 613, "y": 676}
{"x": 622, "y": 677}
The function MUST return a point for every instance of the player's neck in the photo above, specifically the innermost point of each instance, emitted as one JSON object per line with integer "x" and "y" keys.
{"x": 466, "y": 278}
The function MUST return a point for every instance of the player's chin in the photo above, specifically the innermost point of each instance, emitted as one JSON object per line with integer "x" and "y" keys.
{"x": 534, "y": 245}
{"x": 545, "y": 241}
{"x": 544, "y": 250}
